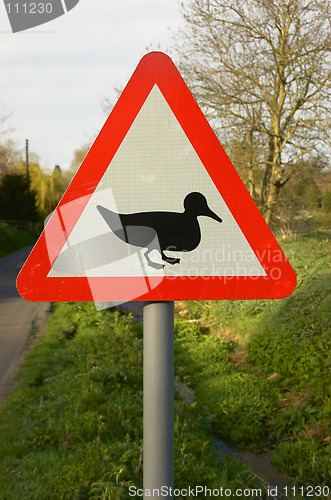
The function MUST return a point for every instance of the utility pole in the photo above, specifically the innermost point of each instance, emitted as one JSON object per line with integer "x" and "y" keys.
{"x": 27, "y": 159}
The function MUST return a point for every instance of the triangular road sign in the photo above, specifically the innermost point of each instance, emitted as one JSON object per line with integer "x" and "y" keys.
{"x": 156, "y": 211}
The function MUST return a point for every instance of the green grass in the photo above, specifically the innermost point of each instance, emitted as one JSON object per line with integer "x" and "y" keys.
{"x": 259, "y": 369}
{"x": 73, "y": 429}
{"x": 287, "y": 343}
{"x": 12, "y": 239}
{"x": 237, "y": 403}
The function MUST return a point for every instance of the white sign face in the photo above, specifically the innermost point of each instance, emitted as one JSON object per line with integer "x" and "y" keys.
{"x": 154, "y": 170}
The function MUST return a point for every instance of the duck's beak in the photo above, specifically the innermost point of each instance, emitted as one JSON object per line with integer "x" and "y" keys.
{"x": 212, "y": 215}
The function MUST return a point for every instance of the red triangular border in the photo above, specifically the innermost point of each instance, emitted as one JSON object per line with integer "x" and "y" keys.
{"x": 156, "y": 68}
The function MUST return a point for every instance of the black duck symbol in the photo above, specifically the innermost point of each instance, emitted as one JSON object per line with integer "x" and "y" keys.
{"x": 173, "y": 231}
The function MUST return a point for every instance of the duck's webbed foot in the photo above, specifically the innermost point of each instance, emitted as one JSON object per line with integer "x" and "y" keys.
{"x": 170, "y": 260}
{"x": 156, "y": 265}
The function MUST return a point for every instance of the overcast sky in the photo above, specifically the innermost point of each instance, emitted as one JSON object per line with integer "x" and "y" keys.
{"x": 54, "y": 78}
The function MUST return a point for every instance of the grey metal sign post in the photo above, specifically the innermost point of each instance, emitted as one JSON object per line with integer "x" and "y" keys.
{"x": 158, "y": 325}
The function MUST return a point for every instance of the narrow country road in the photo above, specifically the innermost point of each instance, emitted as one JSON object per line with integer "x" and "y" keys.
{"x": 16, "y": 318}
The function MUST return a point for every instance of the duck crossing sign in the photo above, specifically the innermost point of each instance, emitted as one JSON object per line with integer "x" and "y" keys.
{"x": 156, "y": 211}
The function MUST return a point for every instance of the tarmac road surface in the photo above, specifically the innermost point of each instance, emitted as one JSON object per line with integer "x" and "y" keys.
{"x": 17, "y": 317}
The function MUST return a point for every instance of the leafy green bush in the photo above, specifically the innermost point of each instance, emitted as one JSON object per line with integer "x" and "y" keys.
{"x": 291, "y": 421}
{"x": 12, "y": 239}
{"x": 240, "y": 405}
{"x": 296, "y": 340}
{"x": 197, "y": 354}
{"x": 236, "y": 402}
{"x": 306, "y": 460}
{"x": 17, "y": 199}
{"x": 326, "y": 201}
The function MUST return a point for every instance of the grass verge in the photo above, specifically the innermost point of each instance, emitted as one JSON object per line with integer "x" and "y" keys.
{"x": 259, "y": 369}
{"x": 281, "y": 362}
{"x": 73, "y": 428}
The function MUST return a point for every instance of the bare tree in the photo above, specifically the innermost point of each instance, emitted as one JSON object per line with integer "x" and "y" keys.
{"x": 5, "y": 128}
{"x": 261, "y": 71}
{"x": 78, "y": 156}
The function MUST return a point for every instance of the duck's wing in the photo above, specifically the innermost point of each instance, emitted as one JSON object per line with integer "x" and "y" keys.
{"x": 131, "y": 228}
{"x": 113, "y": 220}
